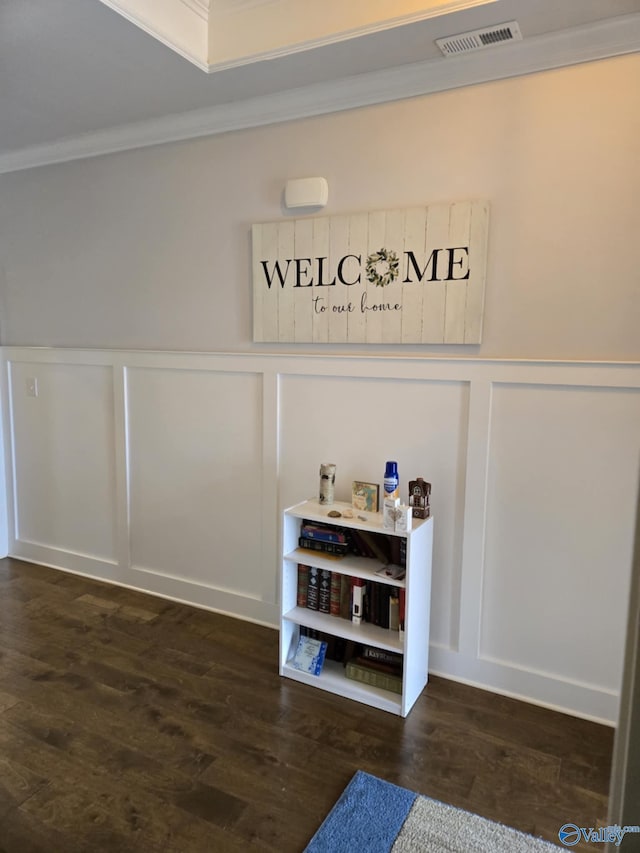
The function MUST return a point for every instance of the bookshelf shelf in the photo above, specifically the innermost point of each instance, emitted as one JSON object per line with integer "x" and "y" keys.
{"x": 415, "y": 587}
{"x": 332, "y": 679}
{"x": 369, "y": 635}
{"x": 355, "y": 567}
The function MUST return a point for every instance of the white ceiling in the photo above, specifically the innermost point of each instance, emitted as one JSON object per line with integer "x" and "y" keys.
{"x": 76, "y": 78}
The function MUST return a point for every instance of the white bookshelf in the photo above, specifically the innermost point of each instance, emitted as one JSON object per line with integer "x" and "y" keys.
{"x": 413, "y": 645}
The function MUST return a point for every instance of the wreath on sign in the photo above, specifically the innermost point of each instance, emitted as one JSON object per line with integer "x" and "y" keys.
{"x": 382, "y": 267}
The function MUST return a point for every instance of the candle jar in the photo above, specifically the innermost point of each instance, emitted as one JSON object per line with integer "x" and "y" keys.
{"x": 327, "y": 483}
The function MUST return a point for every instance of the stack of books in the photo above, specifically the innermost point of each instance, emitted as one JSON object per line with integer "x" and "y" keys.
{"x": 326, "y": 539}
{"x": 377, "y": 668}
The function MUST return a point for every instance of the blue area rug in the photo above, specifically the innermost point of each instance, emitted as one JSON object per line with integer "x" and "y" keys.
{"x": 374, "y": 816}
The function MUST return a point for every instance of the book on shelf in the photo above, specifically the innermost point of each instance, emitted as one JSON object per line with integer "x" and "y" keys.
{"x": 333, "y": 548}
{"x": 303, "y": 584}
{"x": 374, "y": 678}
{"x": 368, "y": 604}
{"x": 358, "y": 592}
{"x": 373, "y": 653}
{"x": 322, "y": 534}
{"x": 378, "y": 666}
{"x": 309, "y": 655}
{"x": 394, "y": 612}
{"x": 376, "y": 609}
{"x": 336, "y": 588}
{"x": 338, "y": 650}
{"x": 385, "y": 595}
{"x": 345, "y": 596}
{"x": 324, "y": 595}
{"x": 313, "y": 588}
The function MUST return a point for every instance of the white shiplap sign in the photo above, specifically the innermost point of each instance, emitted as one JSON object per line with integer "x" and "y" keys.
{"x": 390, "y": 276}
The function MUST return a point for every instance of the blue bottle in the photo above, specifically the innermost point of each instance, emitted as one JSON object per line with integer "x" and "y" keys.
{"x": 391, "y": 482}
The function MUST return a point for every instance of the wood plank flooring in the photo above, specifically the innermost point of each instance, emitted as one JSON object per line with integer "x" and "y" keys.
{"x": 129, "y": 722}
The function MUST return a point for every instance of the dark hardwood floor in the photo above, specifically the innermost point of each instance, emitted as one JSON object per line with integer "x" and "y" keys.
{"x": 128, "y": 722}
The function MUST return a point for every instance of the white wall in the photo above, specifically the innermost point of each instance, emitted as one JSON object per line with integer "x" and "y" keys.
{"x": 151, "y": 249}
{"x": 167, "y": 471}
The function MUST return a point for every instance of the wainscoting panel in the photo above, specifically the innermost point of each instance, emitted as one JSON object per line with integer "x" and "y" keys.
{"x": 559, "y": 507}
{"x": 195, "y": 477}
{"x": 168, "y": 472}
{"x": 64, "y": 459}
{"x": 358, "y": 423}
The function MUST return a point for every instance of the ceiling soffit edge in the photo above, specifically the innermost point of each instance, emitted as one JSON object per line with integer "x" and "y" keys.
{"x": 190, "y": 27}
{"x": 378, "y": 26}
{"x": 181, "y": 25}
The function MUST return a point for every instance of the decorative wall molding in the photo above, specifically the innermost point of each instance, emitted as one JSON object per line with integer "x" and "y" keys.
{"x": 276, "y": 405}
{"x": 614, "y": 37}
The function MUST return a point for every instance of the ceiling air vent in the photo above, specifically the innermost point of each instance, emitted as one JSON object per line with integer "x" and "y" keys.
{"x": 480, "y": 39}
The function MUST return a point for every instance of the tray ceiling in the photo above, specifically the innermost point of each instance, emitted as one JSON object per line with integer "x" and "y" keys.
{"x": 79, "y": 78}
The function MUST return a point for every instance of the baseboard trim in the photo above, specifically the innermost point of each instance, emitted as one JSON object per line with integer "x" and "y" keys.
{"x": 173, "y": 589}
{"x": 597, "y": 705}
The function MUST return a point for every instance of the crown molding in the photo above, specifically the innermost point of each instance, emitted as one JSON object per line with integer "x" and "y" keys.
{"x": 188, "y": 18}
{"x": 199, "y": 7}
{"x": 614, "y": 37}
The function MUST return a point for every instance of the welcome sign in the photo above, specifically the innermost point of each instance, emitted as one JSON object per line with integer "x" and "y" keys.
{"x": 391, "y": 276}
